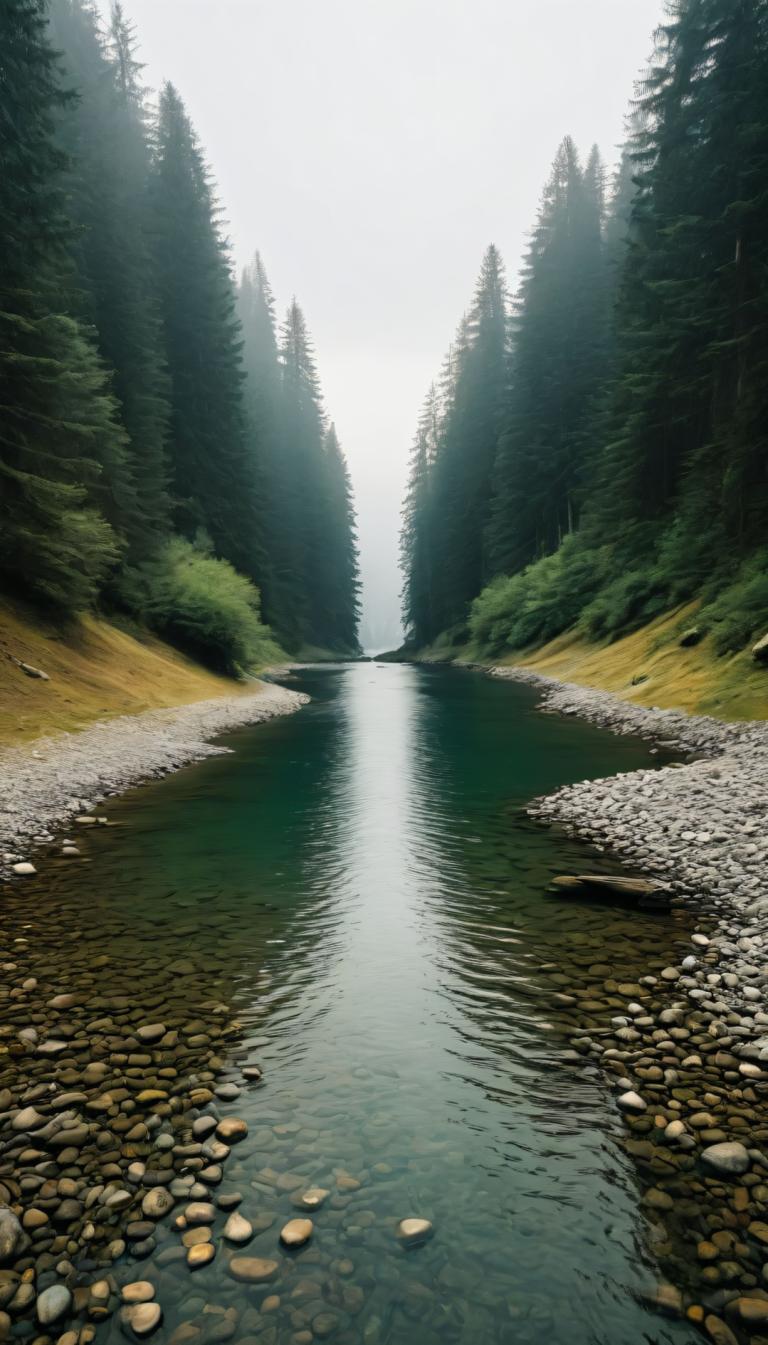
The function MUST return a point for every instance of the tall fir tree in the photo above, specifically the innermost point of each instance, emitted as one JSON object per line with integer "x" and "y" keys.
{"x": 59, "y": 429}
{"x": 104, "y": 136}
{"x": 214, "y": 480}
{"x": 560, "y": 341}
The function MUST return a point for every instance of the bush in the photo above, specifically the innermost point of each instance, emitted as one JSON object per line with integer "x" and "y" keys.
{"x": 541, "y": 602}
{"x": 739, "y": 613}
{"x": 202, "y": 605}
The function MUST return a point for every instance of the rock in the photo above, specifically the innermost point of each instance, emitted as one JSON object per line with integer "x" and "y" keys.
{"x": 27, "y": 1119}
{"x": 752, "y": 1311}
{"x": 296, "y": 1232}
{"x": 23, "y": 869}
{"x": 231, "y": 1130}
{"x": 693, "y": 636}
{"x": 414, "y": 1231}
{"x": 10, "y": 1234}
{"x": 642, "y": 892}
{"x": 237, "y": 1229}
{"x": 202, "y": 1126}
{"x": 718, "y": 1332}
{"x": 199, "y": 1212}
{"x": 30, "y": 671}
{"x": 200, "y": 1255}
{"x": 142, "y": 1318}
{"x": 668, "y": 1299}
{"x": 729, "y": 1159}
{"x": 760, "y": 650}
{"x": 631, "y": 1101}
{"x": 150, "y": 1032}
{"x": 138, "y": 1291}
{"x": 157, "y": 1203}
{"x": 313, "y": 1198}
{"x": 52, "y": 1304}
{"x": 252, "y": 1269}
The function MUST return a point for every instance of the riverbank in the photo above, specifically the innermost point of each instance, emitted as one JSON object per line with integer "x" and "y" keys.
{"x": 687, "y": 1048}
{"x": 670, "y": 662}
{"x": 55, "y": 781}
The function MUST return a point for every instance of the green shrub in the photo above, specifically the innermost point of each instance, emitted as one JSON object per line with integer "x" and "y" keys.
{"x": 541, "y": 602}
{"x": 739, "y": 613}
{"x": 203, "y": 606}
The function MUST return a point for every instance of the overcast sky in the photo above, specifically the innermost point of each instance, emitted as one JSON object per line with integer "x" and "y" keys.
{"x": 371, "y": 149}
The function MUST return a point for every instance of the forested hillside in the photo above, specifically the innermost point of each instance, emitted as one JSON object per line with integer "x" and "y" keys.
{"x": 596, "y": 448}
{"x": 163, "y": 454}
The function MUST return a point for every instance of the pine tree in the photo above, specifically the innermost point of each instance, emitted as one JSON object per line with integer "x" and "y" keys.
{"x": 342, "y": 602}
{"x": 58, "y": 419}
{"x": 416, "y": 539}
{"x": 104, "y": 136}
{"x": 560, "y": 335}
{"x": 214, "y": 482}
{"x": 474, "y": 396}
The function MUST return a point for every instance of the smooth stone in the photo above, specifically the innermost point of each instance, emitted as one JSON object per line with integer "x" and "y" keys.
{"x": 631, "y": 1101}
{"x": 138, "y": 1291}
{"x": 252, "y": 1269}
{"x": 237, "y": 1229}
{"x": 413, "y": 1231}
{"x": 52, "y": 1303}
{"x": 157, "y": 1203}
{"x": 10, "y": 1233}
{"x": 24, "y": 869}
{"x": 142, "y": 1318}
{"x": 27, "y": 1119}
{"x": 200, "y": 1255}
{"x": 729, "y": 1159}
{"x": 150, "y": 1032}
{"x": 314, "y": 1197}
{"x": 296, "y": 1232}
{"x": 231, "y": 1129}
{"x": 199, "y": 1212}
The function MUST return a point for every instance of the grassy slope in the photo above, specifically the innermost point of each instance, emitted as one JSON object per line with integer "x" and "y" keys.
{"x": 695, "y": 679}
{"x": 96, "y": 671}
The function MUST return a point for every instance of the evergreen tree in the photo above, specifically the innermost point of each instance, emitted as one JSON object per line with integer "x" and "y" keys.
{"x": 342, "y": 603}
{"x": 416, "y": 545}
{"x": 104, "y": 135}
{"x": 475, "y": 387}
{"x": 560, "y": 337}
{"x": 214, "y": 480}
{"x": 58, "y": 419}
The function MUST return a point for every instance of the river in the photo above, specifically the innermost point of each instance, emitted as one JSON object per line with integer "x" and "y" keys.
{"x": 359, "y": 885}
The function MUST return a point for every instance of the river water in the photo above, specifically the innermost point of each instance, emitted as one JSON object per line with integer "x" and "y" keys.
{"x": 359, "y": 885}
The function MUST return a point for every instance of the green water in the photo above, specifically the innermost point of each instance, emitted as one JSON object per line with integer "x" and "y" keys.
{"x": 360, "y": 882}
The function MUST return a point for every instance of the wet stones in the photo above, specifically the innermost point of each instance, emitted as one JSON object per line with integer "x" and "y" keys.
{"x": 157, "y": 1203}
{"x": 252, "y": 1269}
{"x": 237, "y": 1229}
{"x": 201, "y": 1254}
{"x": 412, "y": 1232}
{"x": 296, "y": 1232}
{"x": 10, "y": 1234}
{"x": 631, "y": 1102}
{"x": 141, "y": 1319}
{"x": 52, "y": 1304}
{"x": 231, "y": 1130}
{"x": 729, "y": 1159}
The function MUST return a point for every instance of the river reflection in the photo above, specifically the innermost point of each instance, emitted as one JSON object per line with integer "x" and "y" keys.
{"x": 360, "y": 883}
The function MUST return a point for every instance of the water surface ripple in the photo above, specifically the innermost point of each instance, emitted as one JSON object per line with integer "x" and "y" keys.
{"x": 363, "y": 887}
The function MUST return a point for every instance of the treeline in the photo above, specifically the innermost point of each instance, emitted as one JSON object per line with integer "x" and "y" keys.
{"x": 163, "y": 452}
{"x": 596, "y": 449}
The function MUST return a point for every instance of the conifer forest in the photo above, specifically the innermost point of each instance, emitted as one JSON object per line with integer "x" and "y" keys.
{"x": 165, "y": 450}
{"x": 593, "y": 450}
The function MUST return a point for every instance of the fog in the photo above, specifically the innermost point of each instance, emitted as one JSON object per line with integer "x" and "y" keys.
{"x": 371, "y": 149}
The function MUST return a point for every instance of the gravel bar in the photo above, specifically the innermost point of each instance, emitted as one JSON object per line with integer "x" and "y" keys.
{"x": 51, "y": 780}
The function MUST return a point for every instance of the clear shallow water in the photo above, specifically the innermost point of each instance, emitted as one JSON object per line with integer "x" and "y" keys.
{"x": 360, "y": 884}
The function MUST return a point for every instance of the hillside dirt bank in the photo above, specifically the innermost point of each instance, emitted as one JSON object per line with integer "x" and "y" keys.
{"x": 56, "y": 780}
{"x": 93, "y": 671}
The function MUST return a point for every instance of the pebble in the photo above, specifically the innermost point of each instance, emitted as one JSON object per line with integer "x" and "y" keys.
{"x": 413, "y": 1231}
{"x": 296, "y": 1232}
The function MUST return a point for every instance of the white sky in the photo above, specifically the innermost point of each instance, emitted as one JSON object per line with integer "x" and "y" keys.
{"x": 371, "y": 149}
